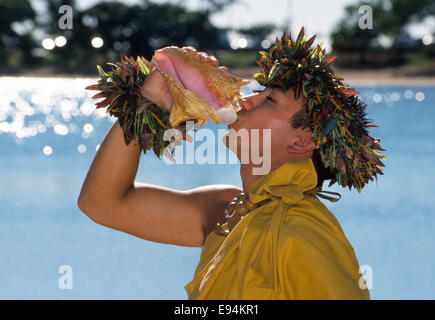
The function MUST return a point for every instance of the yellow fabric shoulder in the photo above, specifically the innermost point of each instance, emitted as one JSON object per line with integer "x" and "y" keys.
{"x": 292, "y": 247}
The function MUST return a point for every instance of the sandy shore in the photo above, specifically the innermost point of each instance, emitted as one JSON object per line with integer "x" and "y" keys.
{"x": 379, "y": 77}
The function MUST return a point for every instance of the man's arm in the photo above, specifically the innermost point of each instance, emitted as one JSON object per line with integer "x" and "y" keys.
{"x": 110, "y": 197}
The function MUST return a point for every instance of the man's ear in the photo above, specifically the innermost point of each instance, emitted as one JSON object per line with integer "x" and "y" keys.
{"x": 302, "y": 143}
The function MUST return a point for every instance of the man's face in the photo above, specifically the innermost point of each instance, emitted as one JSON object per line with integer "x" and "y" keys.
{"x": 272, "y": 109}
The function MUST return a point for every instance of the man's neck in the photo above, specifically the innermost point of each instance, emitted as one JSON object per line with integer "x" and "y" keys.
{"x": 247, "y": 171}
{"x": 248, "y": 177}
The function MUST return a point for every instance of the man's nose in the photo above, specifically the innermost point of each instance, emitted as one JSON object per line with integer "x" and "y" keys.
{"x": 245, "y": 104}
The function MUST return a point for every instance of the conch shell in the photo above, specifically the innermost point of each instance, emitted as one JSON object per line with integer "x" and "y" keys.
{"x": 199, "y": 90}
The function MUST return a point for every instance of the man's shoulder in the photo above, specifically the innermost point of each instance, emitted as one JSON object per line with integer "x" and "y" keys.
{"x": 313, "y": 223}
{"x": 315, "y": 256}
{"x": 219, "y": 192}
{"x": 212, "y": 201}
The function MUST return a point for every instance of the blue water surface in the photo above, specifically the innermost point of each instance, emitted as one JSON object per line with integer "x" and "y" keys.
{"x": 49, "y": 132}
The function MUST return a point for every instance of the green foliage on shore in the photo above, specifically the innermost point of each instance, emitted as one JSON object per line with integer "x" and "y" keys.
{"x": 360, "y": 47}
{"x": 127, "y": 29}
{"x": 139, "y": 29}
{"x": 238, "y": 58}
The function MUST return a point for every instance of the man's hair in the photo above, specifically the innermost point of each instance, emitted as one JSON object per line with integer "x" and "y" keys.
{"x": 300, "y": 120}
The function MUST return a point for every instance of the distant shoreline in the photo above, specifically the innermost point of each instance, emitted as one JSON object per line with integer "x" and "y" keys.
{"x": 353, "y": 77}
{"x": 371, "y": 77}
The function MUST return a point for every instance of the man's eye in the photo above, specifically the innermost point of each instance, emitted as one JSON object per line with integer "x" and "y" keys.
{"x": 258, "y": 91}
{"x": 268, "y": 97}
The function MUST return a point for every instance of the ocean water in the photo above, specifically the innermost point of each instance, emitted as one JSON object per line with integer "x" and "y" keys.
{"x": 49, "y": 132}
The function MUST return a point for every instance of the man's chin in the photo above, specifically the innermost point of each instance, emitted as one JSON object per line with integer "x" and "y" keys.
{"x": 234, "y": 125}
{"x": 237, "y": 122}
{"x": 225, "y": 141}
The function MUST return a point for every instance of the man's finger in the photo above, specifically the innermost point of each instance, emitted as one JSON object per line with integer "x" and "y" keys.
{"x": 203, "y": 56}
{"x": 189, "y": 48}
{"x": 214, "y": 61}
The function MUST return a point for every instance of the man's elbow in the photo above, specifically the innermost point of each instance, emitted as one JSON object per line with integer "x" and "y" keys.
{"x": 88, "y": 209}
{"x": 98, "y": 212}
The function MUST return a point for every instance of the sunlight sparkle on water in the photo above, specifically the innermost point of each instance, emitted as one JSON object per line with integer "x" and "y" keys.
{"x": 30, "y": 106}
{"x": 408, "y": 94}
{"x": 377, "y": 98}
{"x": 47, "y": 150}
{"x": 419, "y": 96}
{"x": 61, "y": 129}
{"x": 81, "y": 148}
{"x": 88, "y": 128}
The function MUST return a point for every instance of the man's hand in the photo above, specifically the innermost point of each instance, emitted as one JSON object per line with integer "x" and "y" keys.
{"x": 155, "y": 87}
{"x": 205, "y": 57}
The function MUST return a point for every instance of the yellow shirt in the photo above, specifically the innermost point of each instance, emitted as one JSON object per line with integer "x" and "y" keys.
{"x": 292, "y": 247}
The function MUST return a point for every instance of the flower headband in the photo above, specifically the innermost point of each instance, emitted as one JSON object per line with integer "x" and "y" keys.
{"x": 337, "y": 115}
